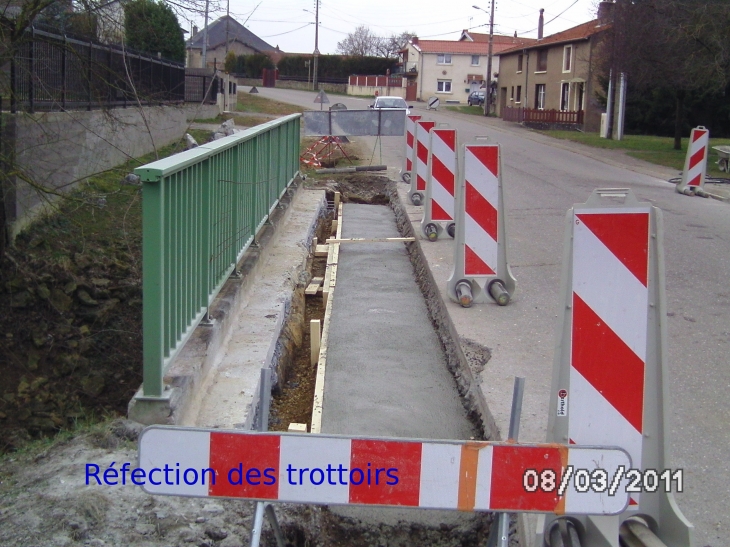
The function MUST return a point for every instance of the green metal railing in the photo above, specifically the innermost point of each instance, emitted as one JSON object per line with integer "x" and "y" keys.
{"x": 201, "y": 210}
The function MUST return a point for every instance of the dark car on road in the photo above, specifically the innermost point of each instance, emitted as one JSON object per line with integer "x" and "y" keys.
{"x": 476, "y": 98}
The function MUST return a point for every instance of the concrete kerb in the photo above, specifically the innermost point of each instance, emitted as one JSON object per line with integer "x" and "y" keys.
{"x": 187, "y": 375}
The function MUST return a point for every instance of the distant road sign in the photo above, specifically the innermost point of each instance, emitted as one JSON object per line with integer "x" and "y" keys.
{"x": 323, "y": 469}
{"x": 433, "y": 103}
{"x": 321, "y": 98}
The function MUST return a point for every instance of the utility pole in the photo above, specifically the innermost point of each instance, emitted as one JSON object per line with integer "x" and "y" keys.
{"x": 316, "y": 42}
{"x": 205, "y": 36}
{"x": 488, "y": 90}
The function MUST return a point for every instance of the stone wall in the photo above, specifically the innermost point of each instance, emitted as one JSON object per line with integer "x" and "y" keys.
{"x": 56, "y": 150}
{"x": 290, "y": 84}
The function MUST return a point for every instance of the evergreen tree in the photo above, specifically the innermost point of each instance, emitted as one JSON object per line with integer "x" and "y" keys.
{"x": 151, "y": 27}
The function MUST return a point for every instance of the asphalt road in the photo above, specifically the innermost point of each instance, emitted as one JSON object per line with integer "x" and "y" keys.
{"x": 543, "y": 178}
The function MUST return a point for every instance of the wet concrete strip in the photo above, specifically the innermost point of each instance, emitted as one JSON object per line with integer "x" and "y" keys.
{"x": 386, "y": 369}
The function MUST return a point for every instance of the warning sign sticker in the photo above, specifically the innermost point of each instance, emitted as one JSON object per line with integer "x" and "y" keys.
{"x": 563, "y": 402}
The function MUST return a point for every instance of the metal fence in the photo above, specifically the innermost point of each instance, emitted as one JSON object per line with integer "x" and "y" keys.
{"x": 201, "y": 88}
{"x": 201, "y": 210}
{"x": 52, "y": 72}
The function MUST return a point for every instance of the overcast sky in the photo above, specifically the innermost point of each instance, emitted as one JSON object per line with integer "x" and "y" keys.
{"x": 286, "y": 23}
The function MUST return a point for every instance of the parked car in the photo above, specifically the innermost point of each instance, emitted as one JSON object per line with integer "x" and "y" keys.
{"x": 476, "y": 98}
{"x": 391, "y": 103}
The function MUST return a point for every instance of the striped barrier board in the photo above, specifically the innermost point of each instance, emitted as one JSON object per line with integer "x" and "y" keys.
{"x": 609, "y": 371}
{"x": 440, "y": 183}
{"x": 480, "y": 250}
{"x": 410, "y": 141}
{"x": 609, "y": 341}
{"x": 695, "y": 163}
{"x": 323, "y": 469}
{"x": 420, "y": 162}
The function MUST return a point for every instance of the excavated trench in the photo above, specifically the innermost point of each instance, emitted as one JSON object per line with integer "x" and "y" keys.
{"x": 294, "y": 391}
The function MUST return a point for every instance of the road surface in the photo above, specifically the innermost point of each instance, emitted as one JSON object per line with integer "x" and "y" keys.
{"x": 543, "y": 178}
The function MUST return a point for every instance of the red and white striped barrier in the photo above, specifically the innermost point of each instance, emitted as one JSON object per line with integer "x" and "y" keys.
{"x": 480, "y": 250}
{"x": 438, "y": 207}
{"x": 321, "y": 469}
{"x": 609, "y": 370}
{"x": 695, "y": 163}
{"x": 420, "y": 162}
{"x": 407, "y": 173}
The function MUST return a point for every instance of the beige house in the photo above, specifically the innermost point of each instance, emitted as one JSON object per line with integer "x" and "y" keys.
{"x": 551, "y": 80}
{"x": 449, "y": 69}
{"x": 224, "y": 35}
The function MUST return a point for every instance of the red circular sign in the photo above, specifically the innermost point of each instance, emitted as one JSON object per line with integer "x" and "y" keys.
{"x": 562, "y": 393}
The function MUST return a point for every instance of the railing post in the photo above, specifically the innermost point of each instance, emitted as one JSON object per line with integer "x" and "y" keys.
{"x": 153, "y": 285}
{"x": 13, "y": 99}
{"x": 206, "y": 254}
{"x": 88, "y": 76}
{"x": 31, "y": 72}
{"x": 63, "y": 72}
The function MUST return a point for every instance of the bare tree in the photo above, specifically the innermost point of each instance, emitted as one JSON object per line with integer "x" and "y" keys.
{"x": 390, "y": 46}
{"x": 360, "y": 43}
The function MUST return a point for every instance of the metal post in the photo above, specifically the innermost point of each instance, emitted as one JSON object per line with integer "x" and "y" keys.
{"x": 316, "y": 42}
{"x": 621, "y": 106}
{"x": 514, "y": 431}
{"x": 262, "y": 424}
{"x": 609, "y": 106}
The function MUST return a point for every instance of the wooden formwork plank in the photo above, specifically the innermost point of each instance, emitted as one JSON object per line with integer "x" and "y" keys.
{"x": 321, "y": 250}
{"x": 333, "y": 240}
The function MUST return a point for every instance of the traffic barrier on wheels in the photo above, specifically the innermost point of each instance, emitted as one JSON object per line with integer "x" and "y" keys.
{"x": 407, "y": 171}
{"x": 609, "y": 382}
{"x": 420, "y": 162}
{"x": 438, "y": 206}
{"x": 695, "y": 163}
{"x": 481, "y": 269}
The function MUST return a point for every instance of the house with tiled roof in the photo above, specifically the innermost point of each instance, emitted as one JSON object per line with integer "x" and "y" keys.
{"x": 450, "y": 69}
{"x": 551, "y": 80}
{"x": 224, "y": 34}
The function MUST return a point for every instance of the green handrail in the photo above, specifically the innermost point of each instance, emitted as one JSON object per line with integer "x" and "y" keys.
{"x": 201, "y": 209}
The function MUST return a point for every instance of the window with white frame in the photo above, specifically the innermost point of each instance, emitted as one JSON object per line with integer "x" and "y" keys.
{"x": 475, "y": 60}
{"x": 443, "y": 86}
{"x": 564, "y": 96}
{"x": 443, "y": 59}
{"x": 567, "y": 58}
{"x": 540, "y": 96}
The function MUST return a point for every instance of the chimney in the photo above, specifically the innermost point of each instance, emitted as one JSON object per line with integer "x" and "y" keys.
{"x": 605, "y": 12}
{"x": 195, "y": 30}
{"x": 414, "y": 40}
{"x": 540, "y": 24}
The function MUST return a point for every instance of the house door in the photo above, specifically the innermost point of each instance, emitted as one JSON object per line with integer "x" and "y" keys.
{"x": 473, "y": 86}
{"x": 411, "y": 90}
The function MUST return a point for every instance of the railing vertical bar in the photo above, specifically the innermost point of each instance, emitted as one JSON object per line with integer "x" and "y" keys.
{"x": 169, "y": 275}
{"x": 153, "y": 343}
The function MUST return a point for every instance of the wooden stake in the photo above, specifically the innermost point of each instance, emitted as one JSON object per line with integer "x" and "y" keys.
{"x": 315, "y": 338}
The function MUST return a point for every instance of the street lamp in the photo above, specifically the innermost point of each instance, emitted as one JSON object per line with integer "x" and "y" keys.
{"x": 488, "y": 91}
{"x": 316, "y": 41}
